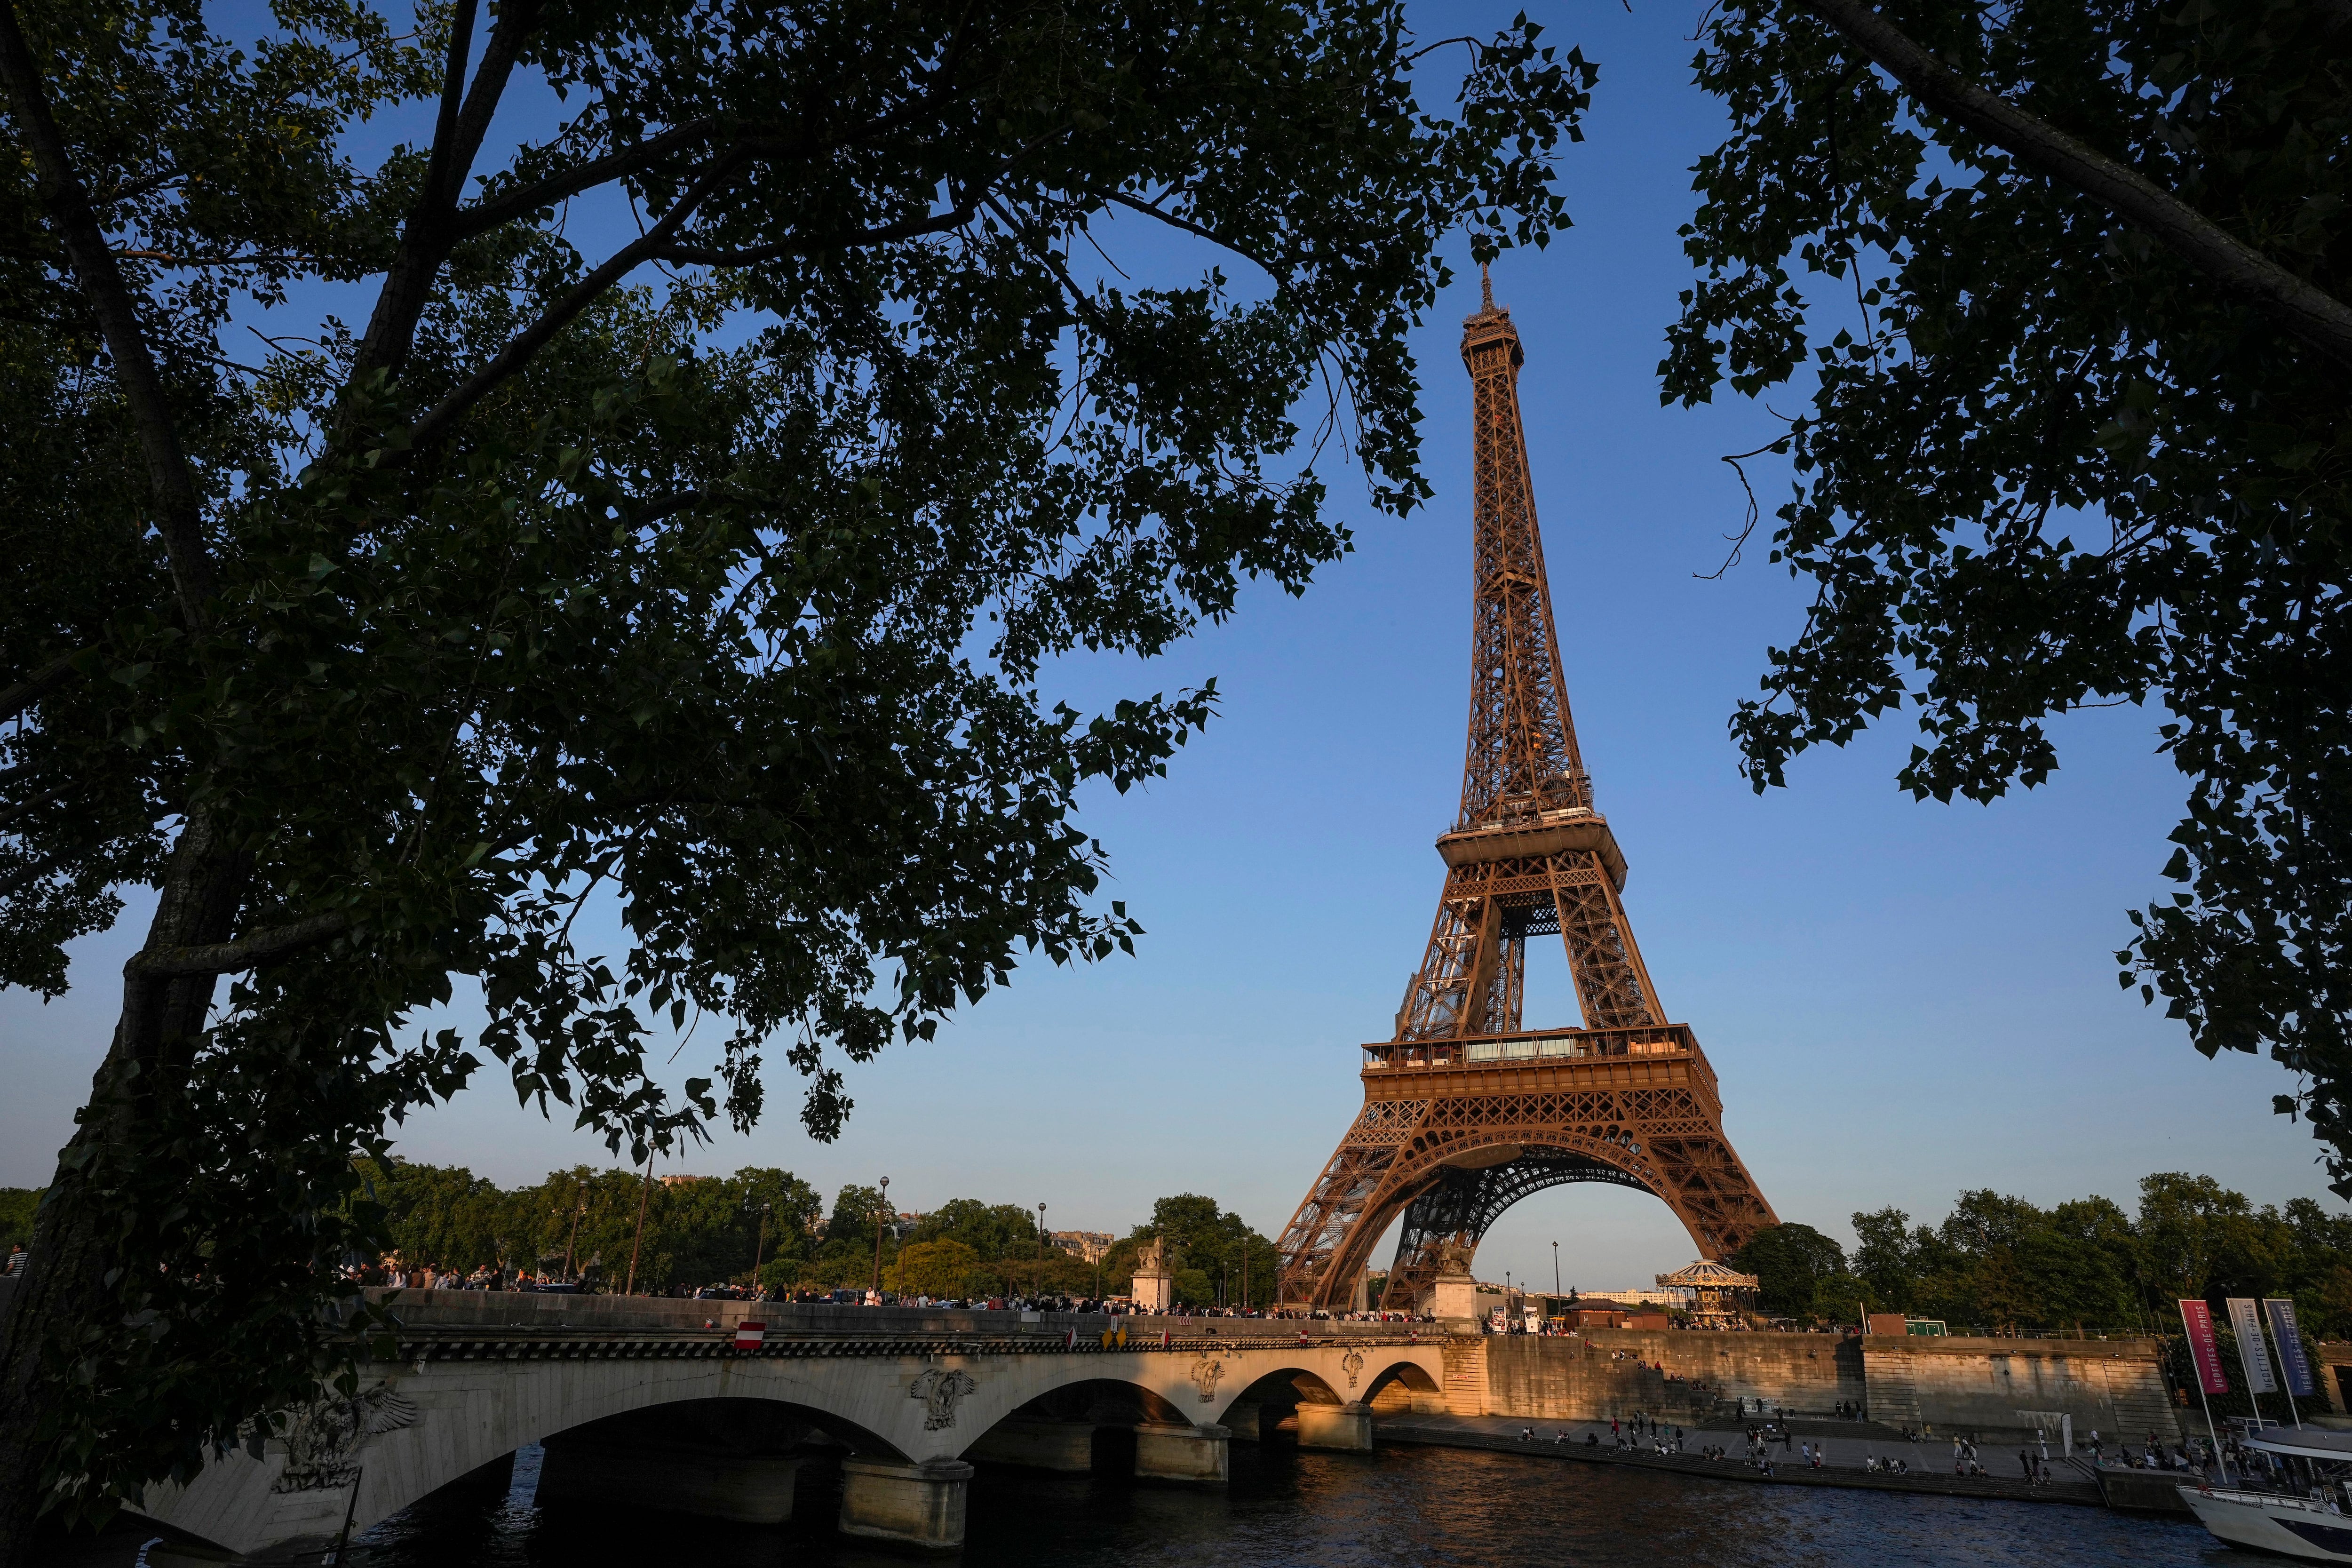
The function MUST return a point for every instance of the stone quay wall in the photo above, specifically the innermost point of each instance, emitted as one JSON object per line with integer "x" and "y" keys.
{"x": 1944, "y": 1384}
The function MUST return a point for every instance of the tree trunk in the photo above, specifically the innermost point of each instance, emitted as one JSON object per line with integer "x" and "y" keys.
{"x": 63, "y": 1292}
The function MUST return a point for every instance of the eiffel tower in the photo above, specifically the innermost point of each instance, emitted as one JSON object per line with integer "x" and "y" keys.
{"x": 1466, "y": 1111}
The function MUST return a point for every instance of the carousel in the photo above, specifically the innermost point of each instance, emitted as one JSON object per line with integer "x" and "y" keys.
{"x": 1719, "y": 1296}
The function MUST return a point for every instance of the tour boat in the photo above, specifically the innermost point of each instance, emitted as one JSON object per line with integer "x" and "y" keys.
{"x": 2305, "y": 1528}
{"x": 2292, "y": 1527}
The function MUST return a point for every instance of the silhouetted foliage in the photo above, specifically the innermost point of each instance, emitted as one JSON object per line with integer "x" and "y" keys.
{"x": 2048, "y": 464}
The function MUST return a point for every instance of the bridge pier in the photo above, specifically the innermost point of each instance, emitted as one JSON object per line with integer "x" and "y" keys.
{"x": 709, "y": 1483}
{"x": 1042, "y": 1445}
{"x": 1245, "y": 1420}
{"x": 1171, "y": 1451}
{"x": 909, "y": 1505}
{"x": 1347, "y": 1427}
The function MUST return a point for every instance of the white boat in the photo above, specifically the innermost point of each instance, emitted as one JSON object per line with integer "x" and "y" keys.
{"x": 2306, "y": 1528}
{"x": 2299, "y": 1528}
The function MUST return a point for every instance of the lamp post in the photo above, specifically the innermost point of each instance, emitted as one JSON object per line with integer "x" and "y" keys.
{"x": 580, "y": 1207}
{"x": 638, "y": 1240}
{"x": 1039, "y": 1283}
{"x": 1555, "y": 1268}
{"x": 758, "y": 1248}
{"x": 879, "y": 1221}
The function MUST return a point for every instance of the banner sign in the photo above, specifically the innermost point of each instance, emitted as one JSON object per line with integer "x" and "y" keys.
{"x": 2246, "y": 1322}
{"x": 2293, "y": 1360}
{"x": 2197, "y": 1318}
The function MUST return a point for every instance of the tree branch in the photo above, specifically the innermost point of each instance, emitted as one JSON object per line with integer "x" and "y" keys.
{"x": 34, "y": 872}
{"x": 246, "y": 952}
{"x": 2309, "y": 312}
{"x": 488, "y": 215}
{"x": 452, "y": 87}
{"x": 522, "y": 350}
{"x": 512, "y": 205}
{"x": 430, "y": 232}
{"x": 44, "y": 679}
{"x": 10, "y": 815}
{"x": 170, "y": 483}
{"x": 1189, "y": 226}
{"x": 695, "y": 256}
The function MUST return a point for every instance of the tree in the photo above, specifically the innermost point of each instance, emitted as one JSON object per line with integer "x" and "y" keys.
{"x": 2183, "y": 1230}
{"x": 704, "y": 578}
{"x": 16, "y": 1206}
{"x": 1208, "y": 1247}
{"x": 2059, "y": 293}
{"x": 1789, "y": 1261}
{"x": 1886, "y": 1258}
{"x": 440, "y": 1217}
{"x": 942, "y": 1267}
{"x": 992, "y": 1231}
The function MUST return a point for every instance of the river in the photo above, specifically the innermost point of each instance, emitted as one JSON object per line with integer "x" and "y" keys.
{"x": 1434, "y": 1507}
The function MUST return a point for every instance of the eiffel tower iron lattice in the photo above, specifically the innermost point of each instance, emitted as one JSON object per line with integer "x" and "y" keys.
{"x": 1465, "y": 1111}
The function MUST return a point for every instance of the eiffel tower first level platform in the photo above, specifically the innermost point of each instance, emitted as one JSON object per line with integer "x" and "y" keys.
{"x": 1465, "y": 1111}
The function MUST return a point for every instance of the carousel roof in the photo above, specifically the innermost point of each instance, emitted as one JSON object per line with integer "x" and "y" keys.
{"x": 1705, "y": 1276}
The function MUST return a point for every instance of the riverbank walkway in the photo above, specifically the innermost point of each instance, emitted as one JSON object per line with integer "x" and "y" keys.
{"x": 1848, "y": 1446}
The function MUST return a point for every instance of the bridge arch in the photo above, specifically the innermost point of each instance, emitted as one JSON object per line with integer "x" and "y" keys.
{"x": 1405, "y": 1386}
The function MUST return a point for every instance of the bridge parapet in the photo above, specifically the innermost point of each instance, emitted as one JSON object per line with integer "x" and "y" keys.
{"x": 450, "y": 1310}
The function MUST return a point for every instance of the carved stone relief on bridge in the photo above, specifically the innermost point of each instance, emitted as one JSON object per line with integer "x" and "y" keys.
{"x": 322, "y": 1441}
{"x": 1206, "y": 1373}
{"x": 941, "y": 1389}
{"x": 1351, "y": 1364}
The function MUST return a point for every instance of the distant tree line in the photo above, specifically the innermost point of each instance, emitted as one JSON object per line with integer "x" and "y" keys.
{"x": 583, "y": 1223}
{"x": 2001, "y": 1263}
{"x": 16, "y": 1206}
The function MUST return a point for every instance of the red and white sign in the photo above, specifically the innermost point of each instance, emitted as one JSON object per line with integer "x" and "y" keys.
{"x": 2197, "y": 1318}
{"x": 750, "y": 1336}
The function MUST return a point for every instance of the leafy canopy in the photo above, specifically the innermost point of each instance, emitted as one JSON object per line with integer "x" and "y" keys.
{"x": 683, "y": 518}
{"x": 2046, "y": 465}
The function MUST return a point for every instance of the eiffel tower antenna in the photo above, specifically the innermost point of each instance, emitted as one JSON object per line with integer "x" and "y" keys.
{"x": 1466, "y": 1111}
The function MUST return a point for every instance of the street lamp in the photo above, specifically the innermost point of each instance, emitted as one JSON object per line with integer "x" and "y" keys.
{"x": 759, "y": 1246}
{"x": 879, "y": 1221}
{"x": 1039, "y": 1283}
{"x": 1555, "y": 1268}
{"x": 580, "y": 1197}
{"x": 638, "y": 1240}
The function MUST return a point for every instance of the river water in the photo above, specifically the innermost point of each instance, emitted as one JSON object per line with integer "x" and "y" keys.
{"x": 1429, "y": 1508}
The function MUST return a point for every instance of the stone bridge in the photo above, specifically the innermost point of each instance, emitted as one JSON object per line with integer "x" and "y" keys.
{"x": 636, "y": 1400}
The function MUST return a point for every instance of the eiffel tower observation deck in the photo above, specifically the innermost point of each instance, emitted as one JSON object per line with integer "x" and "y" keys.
{"x": 1467, "y": 1111}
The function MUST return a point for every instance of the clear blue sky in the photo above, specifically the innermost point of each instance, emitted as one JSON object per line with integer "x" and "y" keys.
{"x": 1902, "y": 999}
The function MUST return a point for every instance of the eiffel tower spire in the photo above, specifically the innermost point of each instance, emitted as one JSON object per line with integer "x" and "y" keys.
{"x": 1525, "y": 792}
{"x": 1465, "y": 1111}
